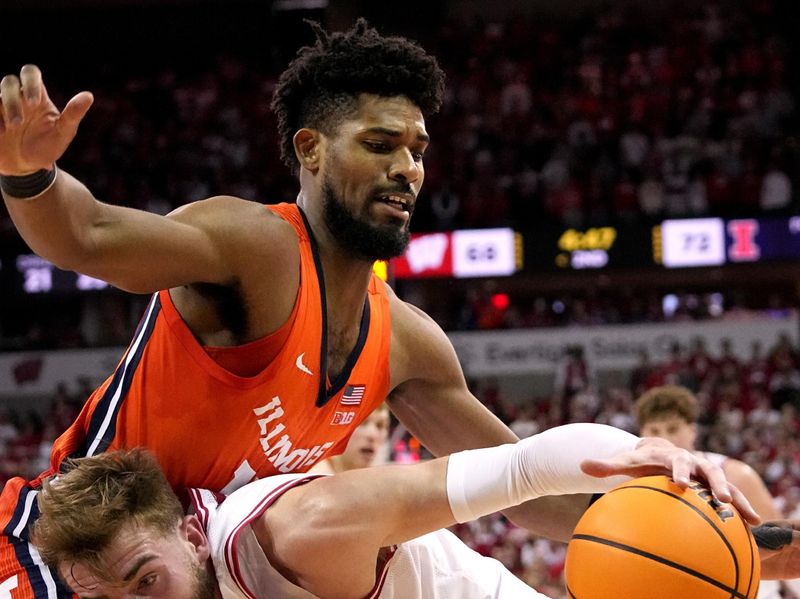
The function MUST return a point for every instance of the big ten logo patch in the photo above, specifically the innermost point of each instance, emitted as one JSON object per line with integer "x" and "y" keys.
{"x": 722, "y": 510}
{"x": 343, "y": 417}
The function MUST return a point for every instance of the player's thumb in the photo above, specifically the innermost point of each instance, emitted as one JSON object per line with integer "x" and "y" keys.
{"x": 75, "y": 110}
{"x": 600, "y": 468}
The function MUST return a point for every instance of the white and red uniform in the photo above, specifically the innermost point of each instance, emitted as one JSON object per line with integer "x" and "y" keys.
{"x": 434, "y": 566}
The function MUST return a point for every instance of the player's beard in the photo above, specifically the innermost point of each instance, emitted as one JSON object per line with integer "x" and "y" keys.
{"x": 364, "y": 240}
{"x": 204, "y": 585}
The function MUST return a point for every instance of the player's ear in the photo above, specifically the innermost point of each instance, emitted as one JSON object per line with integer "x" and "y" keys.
{"x": 195, "y": 535}
{"x": 308, "y": 144}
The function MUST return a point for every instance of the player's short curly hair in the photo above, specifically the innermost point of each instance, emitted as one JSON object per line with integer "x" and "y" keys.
{"x": 667, "y": 401}
{"x": 320, "y": 87}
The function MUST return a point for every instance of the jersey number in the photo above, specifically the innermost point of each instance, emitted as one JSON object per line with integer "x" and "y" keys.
{"x": 243, "y": 475}
{"x": 7, "y": 586}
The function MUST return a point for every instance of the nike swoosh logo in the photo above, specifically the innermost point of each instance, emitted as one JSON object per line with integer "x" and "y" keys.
{"x": 301, "y": 366}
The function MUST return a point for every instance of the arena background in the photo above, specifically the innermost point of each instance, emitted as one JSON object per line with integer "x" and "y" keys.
{"x": 588, "y": 138}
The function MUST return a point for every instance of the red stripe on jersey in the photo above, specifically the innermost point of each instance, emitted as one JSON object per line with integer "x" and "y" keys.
{"x": 376, "y": 590}
{"x": 231, "y": 553}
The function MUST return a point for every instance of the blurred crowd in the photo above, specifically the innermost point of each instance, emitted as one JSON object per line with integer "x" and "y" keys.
{"x": 487, "y": 306}
{"x": 624, "y": 115}
{"x": 107, "y": 319}
{"x": 630, "y": 113}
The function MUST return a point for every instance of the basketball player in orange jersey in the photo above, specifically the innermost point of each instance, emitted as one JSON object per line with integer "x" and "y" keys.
{"x": 268, "y": 339}
{"x": 671, "y": 412}
{"x": 113, "y": 528}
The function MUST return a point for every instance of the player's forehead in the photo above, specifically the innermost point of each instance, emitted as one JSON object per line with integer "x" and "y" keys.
{"x": 665, "y": 421}
{"x": 388, "y": 113}
{"x": 379, "y": 416}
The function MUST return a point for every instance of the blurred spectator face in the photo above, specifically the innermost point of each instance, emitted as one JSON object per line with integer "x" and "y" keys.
{"x": 672, "y": 428}
{"x": 367, "y": 439}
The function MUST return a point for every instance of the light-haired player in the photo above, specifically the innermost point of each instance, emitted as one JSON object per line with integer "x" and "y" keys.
{"x": 671, "y": 412}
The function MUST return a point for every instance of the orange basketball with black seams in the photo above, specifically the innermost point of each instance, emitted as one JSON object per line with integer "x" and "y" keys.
{"x": 648, "y": 538}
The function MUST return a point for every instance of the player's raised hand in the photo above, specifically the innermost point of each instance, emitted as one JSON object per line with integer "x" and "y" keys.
{"x": 659, "y": 456}
{"x": 33, "y": 133}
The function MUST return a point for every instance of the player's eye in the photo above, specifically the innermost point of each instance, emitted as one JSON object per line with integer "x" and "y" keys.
{"x": 147, "y": 581}
{"x": 377, "y": 146}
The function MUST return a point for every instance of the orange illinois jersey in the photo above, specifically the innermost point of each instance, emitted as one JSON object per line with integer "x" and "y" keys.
{"x": 213, "y": 429}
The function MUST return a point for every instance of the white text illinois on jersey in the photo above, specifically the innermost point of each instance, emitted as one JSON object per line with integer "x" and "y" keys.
{"x": 278, "y": 447}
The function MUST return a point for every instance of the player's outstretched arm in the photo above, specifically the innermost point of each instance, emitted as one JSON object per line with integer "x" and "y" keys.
{"x": 325, "y": 535}
{"x": 431, "y": 398}
{"x": 62, "y": 221}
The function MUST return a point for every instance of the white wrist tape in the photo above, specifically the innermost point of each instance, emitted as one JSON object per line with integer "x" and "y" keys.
{"x": 483, "y": 481}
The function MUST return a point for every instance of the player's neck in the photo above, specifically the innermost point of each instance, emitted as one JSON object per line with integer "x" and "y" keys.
{"x": 346, "y": 275}
{"x": 213, "y": 574}
{"x": 337, "y": 464}
{"x": 329, "y": 245}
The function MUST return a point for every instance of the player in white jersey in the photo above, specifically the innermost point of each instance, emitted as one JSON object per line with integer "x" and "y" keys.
{"x": 670, "y": 412}
{"x": 436, "y": 565}
{"x": 113, "y": 528}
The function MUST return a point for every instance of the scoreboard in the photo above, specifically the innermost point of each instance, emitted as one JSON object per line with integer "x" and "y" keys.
{"x": 591, "y": 248}
{"x": 466, "y": 253}
{"x": 500, "y": 252}
{"x": 714, "y": 241}
{"x": 691, "y": 242}
{"x": 672, "y": 244}
{"x": 28, "y": 274}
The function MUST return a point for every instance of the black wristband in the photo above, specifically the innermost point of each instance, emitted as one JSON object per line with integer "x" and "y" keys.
{"x": 28, "y": 186}
{"x": 770, "y": 536}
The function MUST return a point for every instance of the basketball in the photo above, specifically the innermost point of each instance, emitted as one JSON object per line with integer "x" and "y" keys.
{"x": 648, "y": 538}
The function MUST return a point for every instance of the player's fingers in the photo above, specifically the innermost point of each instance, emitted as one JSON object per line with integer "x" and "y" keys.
{"x": 633, "y": 463}
{"x": 74, "y": 112}
{"x": 600, "y": 468}
{"x": 743, "y": 505}
{"x": 715, "y": 477}
{"x": 10, "y": 95}
{"x": 31, "y": 78}
{"x": 682, "y": 466}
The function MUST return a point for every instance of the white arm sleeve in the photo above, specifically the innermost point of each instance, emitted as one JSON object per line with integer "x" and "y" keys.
{"x": 483, "y": 481}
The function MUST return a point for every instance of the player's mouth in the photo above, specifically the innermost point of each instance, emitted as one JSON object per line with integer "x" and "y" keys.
{"x": 399, "y": 205}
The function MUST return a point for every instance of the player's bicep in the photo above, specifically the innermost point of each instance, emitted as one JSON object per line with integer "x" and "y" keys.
{"x": 322, "y": 557}
{"x": 431, "y": 396}
{"x": 143, "y": 252}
